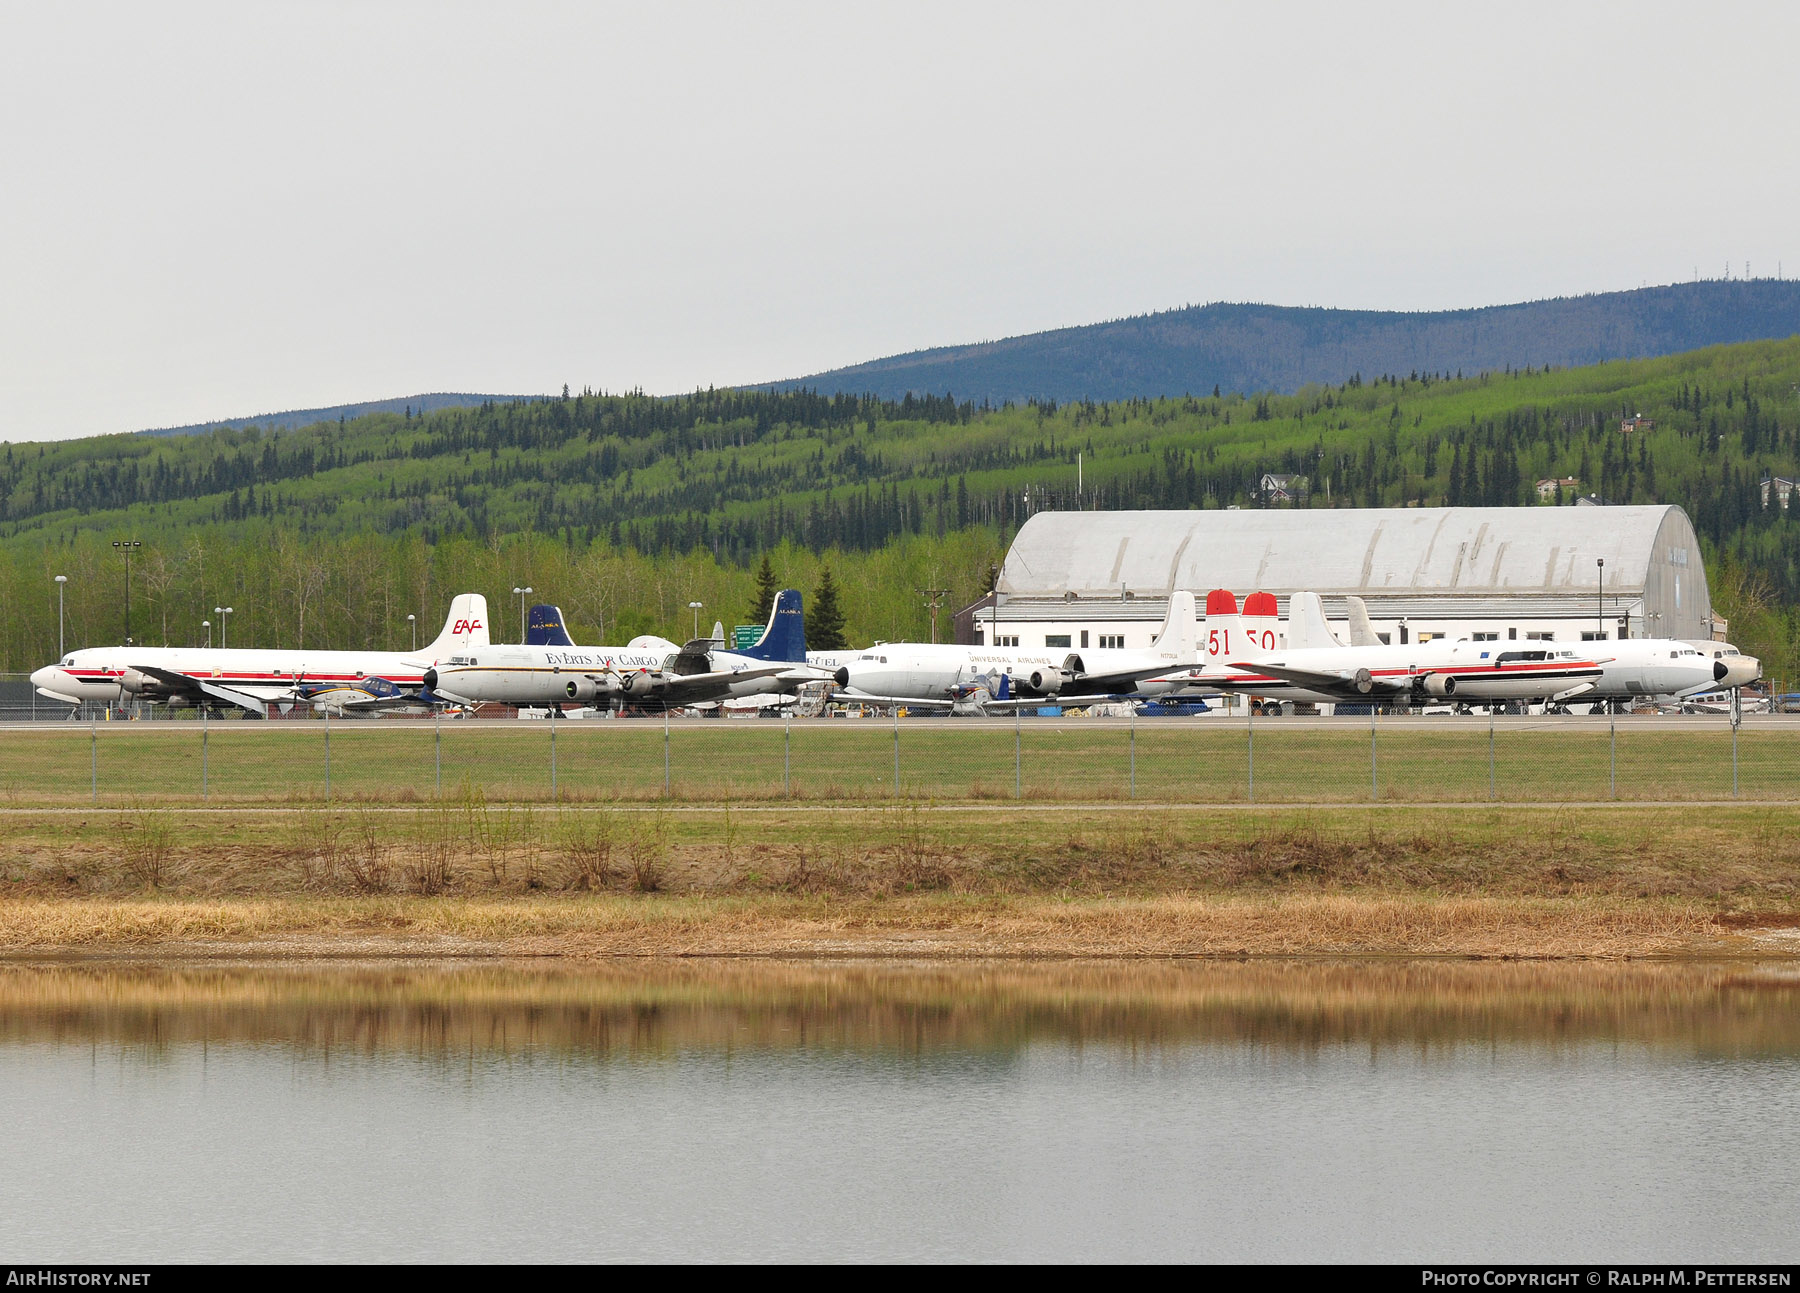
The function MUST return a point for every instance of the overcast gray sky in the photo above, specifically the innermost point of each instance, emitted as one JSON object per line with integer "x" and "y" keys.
{"x": 220, "y": 210}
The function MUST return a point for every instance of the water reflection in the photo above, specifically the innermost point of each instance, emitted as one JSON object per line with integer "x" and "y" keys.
{"x": 650, "y": 1009}
{"x": 1253, "y": 1111}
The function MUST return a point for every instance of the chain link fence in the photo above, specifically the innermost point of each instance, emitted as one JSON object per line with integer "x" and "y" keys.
{"x": 105, "y": 757}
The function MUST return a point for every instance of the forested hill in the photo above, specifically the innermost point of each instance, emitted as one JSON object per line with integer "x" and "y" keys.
{"x": 293, "y": 418}
{"x": 1249, "y": 348}
{"x": 335, "y": 530}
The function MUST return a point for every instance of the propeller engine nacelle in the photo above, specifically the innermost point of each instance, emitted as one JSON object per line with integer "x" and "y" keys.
{"x": 647, "y": 682}
{"x": 589, "y": 689}
{"x": 135, "y": 682}
{"x": 1051, "y": 682}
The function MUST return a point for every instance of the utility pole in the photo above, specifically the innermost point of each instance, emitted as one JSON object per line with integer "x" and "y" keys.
{"x": 61, "y": 583}
{"x": 934, "y": 598}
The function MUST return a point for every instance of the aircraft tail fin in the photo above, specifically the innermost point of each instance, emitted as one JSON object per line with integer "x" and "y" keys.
{"x": 1224, "y": 626}
{"x": 1262, "y": 623}
{"x": 545, "y": 627}
{"x": 465, "y": 626}
{"x": 784, "y": 638}
{"x": 1362, "y": 631}
{"x": 1306, "y": 623}
{"x": 1180, "y": 631}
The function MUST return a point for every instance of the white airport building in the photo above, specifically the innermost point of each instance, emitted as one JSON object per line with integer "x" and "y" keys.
{"x": 1564, "y": 574}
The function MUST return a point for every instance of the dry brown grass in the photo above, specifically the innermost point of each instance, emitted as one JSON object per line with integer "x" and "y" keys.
{"x": 1163, "y": 881}
{"x": 921, "y": 925}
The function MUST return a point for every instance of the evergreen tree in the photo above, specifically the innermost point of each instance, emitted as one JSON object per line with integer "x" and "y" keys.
{"x": 825, "y": 618}
{"x": 765, "y": 592}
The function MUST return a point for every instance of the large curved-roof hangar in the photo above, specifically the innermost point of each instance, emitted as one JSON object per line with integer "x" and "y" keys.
{"x": 1513, "y": 571}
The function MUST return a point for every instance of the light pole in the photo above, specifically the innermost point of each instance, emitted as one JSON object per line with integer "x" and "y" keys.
{"x": 695, "y": 607}
{"x": 222, "y": 612}
{"x": 520, "y": 593}
{"x": 128, "y": 546}
{"x": 207, "y": 625}
{"x": 60, "y": 581}
{"x": 1600, "y": 601}
{"x": 412, "y": 622}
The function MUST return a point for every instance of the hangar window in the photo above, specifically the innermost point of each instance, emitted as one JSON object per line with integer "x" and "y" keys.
{"x": 1540, "y": 637}
{"x": 1006, "y": 639}
{"x": 1591, "y": 635}
{"x": 1114, "y": 640}
{"x": 1056, "y": 639}
{"x": 1484, "y": 637}
{"x": 1084, "y": 640}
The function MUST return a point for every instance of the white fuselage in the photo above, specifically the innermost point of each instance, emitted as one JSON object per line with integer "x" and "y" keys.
{"x": 1655, "y": 667}
{"x": 523, "y": 675}
{"x": 946, "y": 671}
{"x": 1466, "y": 670}
{"x": 107, "y": 674}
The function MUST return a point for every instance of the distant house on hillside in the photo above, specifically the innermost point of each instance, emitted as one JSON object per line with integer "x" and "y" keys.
{"x": 1547, "y": 489}
{"x": 1637, "y": 422}
{"x": 1276, "y": 488}
{"x": 1781, "y": 487}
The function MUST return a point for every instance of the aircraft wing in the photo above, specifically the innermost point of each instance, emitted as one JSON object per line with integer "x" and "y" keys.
{"x": 182, "y": 682}
{"x": 696, "y": 688}
{"x": 1351, "y": 687}
{"x": 1119, "y": 682}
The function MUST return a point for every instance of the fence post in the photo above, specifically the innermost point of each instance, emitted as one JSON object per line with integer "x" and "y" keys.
{"x": 328, "y": 754}
{"x": 1250, "y": 714}
{"x": 1018, "y": 756}
{"x": 1491, "y": 788}
{"x": 787, "y": 754}
{"x": 203, "y": 790}
{"x": 437, "y": 746}
{"x": 665, "y": 751}
{"x": 554, "y": 710}
{"x": 1734, "y": 752}
{"x": 93, "y": 758}
{"x": 1134, "y": 751}
{"x": 896, "y": 751}
{"x": 1374, "y": 763}
{"x": 1612, "y": 737}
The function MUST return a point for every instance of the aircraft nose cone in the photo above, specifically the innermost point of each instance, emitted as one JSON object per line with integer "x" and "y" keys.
{"x": 43, "y": 677}
{"x": 842, "y": 675}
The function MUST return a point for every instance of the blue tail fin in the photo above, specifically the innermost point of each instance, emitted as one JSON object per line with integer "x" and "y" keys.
{"x": 785, "y": 636}
{"x": 1005, "y": 689}
{"x": 545, "y": 628}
